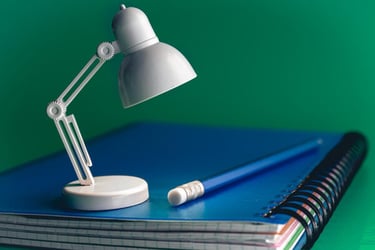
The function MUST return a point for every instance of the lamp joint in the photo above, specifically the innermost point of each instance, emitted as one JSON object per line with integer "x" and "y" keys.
{"x": 105, "y": 51}
{"x": 56, "y": 110}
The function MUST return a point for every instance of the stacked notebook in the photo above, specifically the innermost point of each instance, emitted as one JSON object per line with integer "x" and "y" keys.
{"x": 283, "y": 207}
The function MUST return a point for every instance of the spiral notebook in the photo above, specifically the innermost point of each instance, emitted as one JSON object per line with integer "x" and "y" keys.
{"x": 285, "y": 207}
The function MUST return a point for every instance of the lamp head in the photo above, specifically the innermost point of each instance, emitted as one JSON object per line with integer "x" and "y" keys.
{"x": 150, "y": 67}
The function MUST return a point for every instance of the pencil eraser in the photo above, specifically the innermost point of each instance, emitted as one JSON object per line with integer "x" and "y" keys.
{"x": 177, "y": 196}
{"x": 186, "y": 192}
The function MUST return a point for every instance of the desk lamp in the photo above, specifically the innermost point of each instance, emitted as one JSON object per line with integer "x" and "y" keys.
{"x": 149, "y": 68}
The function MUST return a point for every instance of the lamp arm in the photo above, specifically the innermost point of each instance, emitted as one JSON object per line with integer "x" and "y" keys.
{"x": 67, "y": 126}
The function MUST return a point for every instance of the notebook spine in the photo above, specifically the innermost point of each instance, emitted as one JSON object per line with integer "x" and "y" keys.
{"x": 314, "y": 200}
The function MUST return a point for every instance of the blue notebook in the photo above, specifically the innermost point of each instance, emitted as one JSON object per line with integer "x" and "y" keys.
{"x": 286, "y": 206}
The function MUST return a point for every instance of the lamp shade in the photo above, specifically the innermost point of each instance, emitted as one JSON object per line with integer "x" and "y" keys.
{"x": 152, "y": 71}
{"x": 150, "y": 67}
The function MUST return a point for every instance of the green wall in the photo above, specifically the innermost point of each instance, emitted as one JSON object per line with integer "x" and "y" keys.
{"x": 280, "y": 64}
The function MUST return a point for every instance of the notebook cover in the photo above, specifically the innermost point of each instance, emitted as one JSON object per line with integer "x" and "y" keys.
{"x": 167, "y": 155}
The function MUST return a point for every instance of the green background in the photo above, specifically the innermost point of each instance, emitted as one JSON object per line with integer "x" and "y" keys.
{"x": 305, "y": 65}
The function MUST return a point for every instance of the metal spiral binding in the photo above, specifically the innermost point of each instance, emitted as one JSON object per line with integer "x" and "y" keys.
{"x": 314, "y": 200}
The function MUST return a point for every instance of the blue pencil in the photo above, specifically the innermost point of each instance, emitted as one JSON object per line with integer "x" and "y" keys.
{"x": 195, "y": 189}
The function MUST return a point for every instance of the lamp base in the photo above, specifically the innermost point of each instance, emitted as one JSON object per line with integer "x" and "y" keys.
{"x": 108, "y": 192}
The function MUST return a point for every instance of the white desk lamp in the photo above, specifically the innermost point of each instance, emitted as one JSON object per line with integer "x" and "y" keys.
{"x": 149, "y": 68}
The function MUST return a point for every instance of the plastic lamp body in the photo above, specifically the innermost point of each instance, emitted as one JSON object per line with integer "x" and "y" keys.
{"x": 149, "y": 68}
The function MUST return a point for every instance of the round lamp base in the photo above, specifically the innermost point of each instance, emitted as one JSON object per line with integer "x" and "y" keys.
{"x": 108, "y": 192}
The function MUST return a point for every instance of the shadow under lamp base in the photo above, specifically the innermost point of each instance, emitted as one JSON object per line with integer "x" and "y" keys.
{"x": 108, "y": 192}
